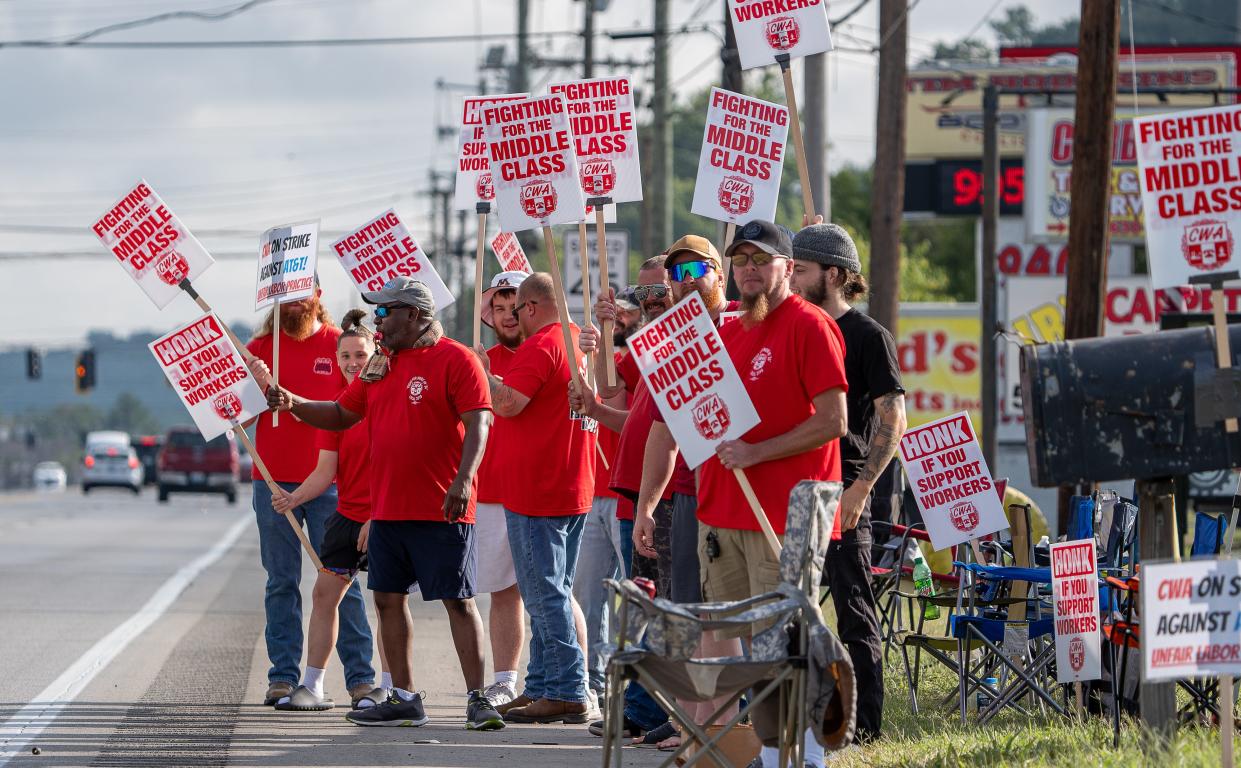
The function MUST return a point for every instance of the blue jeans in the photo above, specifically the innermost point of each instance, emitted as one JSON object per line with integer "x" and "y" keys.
{"x": 282, "y": 559}
{"x": 639, "y": 706}
{"x": 626, "y": 543}
{"x": 598, "y": 559}
{"x": 545, "y": 553}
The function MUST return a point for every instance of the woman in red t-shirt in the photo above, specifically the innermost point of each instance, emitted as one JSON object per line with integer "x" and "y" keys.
{"x": 344, "y": 458}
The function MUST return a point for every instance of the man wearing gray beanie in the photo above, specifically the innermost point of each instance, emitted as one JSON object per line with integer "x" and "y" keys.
{"x": 827, "y": 273}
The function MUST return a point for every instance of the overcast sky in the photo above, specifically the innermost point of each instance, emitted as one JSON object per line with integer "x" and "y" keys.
{"x": 244, "y": 139}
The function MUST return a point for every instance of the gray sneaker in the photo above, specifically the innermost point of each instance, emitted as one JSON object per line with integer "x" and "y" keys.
{"x": 481, "y": 714}
{"x": 394, "y": 711}
{"x": 500, "y": 694}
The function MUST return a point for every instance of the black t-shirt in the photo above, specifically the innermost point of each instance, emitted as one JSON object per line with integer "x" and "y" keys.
{"x": 872, "y": 372}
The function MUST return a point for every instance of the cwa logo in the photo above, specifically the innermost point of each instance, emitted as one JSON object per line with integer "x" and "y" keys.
{"x": 538, "y": 198}
{"x": 759, "y": 362}
{"x": 711, "y": 417}
{"x": 963, "y": 516}
{"x": 417, "y": 389}
{"x": 1077, "y": 654}
{"x": 598, "y": 177}
{"x": 783, "y": 33}
{"x": 736, "y": 195}
{"x": 172, "y": 268}
{"x": 227, "y": 406}
{"x": 485, "y": 186}
{"x": 1207, "y": 244}
{"x": 323, "y": 366}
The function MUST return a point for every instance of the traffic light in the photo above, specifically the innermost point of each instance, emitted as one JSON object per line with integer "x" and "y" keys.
{"x": 84, "y": 371}
{"x": 34, "y": 364}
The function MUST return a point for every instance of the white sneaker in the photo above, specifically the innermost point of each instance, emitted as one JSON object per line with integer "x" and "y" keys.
{"x": 500, "y": 694}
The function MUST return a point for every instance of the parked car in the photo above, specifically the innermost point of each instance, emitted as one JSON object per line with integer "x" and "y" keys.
{"x": 50, "y": 476}
{"x": 110, "y": 461}
{"x": 246, "y": 468}
{"x": 189, "y": 464}
{"x": 148, "y": 447}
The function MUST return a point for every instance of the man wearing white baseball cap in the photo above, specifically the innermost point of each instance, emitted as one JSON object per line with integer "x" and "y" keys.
{"x": 496, "y": 575}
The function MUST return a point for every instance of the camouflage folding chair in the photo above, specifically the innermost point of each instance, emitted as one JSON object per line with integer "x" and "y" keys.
{"x": 793, "y": 656}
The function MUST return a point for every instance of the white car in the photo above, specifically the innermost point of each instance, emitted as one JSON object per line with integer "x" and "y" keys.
{"x": 110, "y": 460}
{"x": 49, "y": 476}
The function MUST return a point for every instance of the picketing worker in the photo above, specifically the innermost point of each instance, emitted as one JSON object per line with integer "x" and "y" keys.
{"x": 790, "y": 356}
{"x": 343, "y": 458}
{"x": 506, "y": 621}
{"x": 546, "y": 502}
{"x": 308, "y": 365}
{"x": 827, "y": 273}
{"x": 428, "y": 411}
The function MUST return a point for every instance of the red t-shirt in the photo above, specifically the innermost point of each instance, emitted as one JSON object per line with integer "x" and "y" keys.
{"x": 307, "y": 368}
{"x": 624, "y": 508}
{"x": 554, "y": 448}
{"x": 353, "y": 474}
{"x": 609, "y": 441}
{"x": 785, "y": 361}
{"x": 416, "y": 433}
{"x": 490, "y": 472}
{"x": 627, "y": 371}
{"x": 631, "y": 448}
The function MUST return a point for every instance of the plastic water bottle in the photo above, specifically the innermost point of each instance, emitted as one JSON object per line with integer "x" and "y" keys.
{"x": 983, "y": 699}
{"x": 923, "y": 583}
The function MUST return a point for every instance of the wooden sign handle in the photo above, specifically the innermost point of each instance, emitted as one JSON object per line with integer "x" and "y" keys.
{"x": 768, "y": 532}
{"x": 803, "y": 168}
{"x": 1223, "y": 346}
{"x": 275, "y": 356}
{"x": 275, "y": 490}
{"x": 584, "y": 256}
{"x": 730, "y": 231}
{"x": 605, "y": 281}
{"x": 562, "y": 306}
{"x": 204, "y": 306}
{"x": 1226, "y": 721}
{"x": 479, "y": 251}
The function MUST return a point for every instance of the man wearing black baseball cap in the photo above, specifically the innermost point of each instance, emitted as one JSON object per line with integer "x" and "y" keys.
{"x": 827, "y": 273}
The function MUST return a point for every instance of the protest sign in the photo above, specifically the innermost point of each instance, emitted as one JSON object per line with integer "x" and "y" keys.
{"x": 765, "y": 28}
{"x": 288, "y": 257}
{"x": 692, "y": 379}
{"x": 209, "y": 375}
{"x": 382, "y": 249}
{"x": 1191, "y": 619}
{"x": 151, "y": 243}
{"x": 1191, "y": 192}
{"x": 510, "y": 254}
{"x": 951, "y": 481}
{"x": 533, "y": 163}
{"x": 742, "y": 158}
{"x": 605, "y": 137}
{"x": 474, "y": 182}
{"x": 1075, "y": 592}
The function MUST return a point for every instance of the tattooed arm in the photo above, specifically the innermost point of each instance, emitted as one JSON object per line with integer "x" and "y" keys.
{"x": 883, "y": 444}
{"x": 505, "y": 400}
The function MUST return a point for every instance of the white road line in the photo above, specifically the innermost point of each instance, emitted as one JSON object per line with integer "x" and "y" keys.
{"x": 30, "y": 721}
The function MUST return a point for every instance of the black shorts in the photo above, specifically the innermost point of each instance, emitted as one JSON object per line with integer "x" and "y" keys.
{"x": 438, "y": 556}
{"x": 339, "y": 550}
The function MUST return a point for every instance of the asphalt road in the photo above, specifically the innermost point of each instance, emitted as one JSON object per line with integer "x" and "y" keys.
{"x": 131, "y": 635}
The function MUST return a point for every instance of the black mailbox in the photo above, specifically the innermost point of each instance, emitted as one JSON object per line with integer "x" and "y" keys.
{"x": 1153, "y": 405}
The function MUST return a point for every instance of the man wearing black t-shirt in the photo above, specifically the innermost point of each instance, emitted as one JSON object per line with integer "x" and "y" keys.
{"x": 827, "y": 273}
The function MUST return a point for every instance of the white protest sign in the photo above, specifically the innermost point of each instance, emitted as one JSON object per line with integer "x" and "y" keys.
{"x": 382, "y": 249}
{"x": 530, "y": 147}
{"x": 510, "y": 254}
{"x": 1191, "y": 192}
{"x": 692, "y": 379}
{"x": 1191, "y": 619}
{"x": 209, "y": 375}
{"x": 605, "y": 137}
{"x": 766, "y": 28}
{"x": 288, "y": 257}
{"x": 742, "y": 158}
{"x": 1075, "y": 594}
{"x": 951, "y": 482}
{"x": 152, "y": 244}
{"x": 474, "y": 184}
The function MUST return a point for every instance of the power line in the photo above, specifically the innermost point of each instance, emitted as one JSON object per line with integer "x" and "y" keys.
{"x": 1188, "y": 14}
{"x": 167, "y": 16}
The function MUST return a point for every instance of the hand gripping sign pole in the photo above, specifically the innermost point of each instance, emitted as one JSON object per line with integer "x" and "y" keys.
{"x": 605, "y": 281}
{"x": 482, "y": 209}
{"x": 803, "y": 168}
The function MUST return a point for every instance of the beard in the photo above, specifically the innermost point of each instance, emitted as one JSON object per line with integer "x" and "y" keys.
{"x": 756, "y": 309}
{"x": 715, "y": 299}
{"x": 816, "y": 294}
{"x": 510, "y": 338}
{"x": 300, "y": 324}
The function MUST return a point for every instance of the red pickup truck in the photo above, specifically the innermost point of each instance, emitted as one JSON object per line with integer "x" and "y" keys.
{"x": 189, "y": 464}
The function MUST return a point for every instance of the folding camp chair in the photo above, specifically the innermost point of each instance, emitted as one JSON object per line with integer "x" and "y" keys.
{"x": 793, "y": 658}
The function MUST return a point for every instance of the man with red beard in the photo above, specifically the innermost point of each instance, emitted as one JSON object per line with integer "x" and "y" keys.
{"x": 307, "y": 366}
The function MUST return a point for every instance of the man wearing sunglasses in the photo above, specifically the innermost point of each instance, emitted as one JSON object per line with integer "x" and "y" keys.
{"x": 827, "y": 273}
{"x": 790, "y": 356}
{"x": 428, "y": 418}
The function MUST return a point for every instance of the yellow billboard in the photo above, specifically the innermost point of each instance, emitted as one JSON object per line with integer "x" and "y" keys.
{"x": 937, "y": 348}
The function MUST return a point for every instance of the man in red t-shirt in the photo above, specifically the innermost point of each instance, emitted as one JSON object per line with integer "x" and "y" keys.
{"x": 790, "y": 356}
{"x": 429, "y": 414}
{"x": 496, "y": 575}
{"x": 307, "y": 366}
{"x": 551, "y": 485}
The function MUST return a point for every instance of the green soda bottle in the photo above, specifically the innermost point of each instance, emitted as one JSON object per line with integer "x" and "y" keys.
{"x": 923, "y": 583}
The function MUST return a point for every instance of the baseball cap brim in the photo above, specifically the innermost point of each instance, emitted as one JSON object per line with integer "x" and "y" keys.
{"x": 764, "y": 247}
{"x": 382, "y": 297}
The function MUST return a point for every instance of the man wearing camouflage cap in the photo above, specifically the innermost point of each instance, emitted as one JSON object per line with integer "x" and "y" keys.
{"x": 827, "y": 273}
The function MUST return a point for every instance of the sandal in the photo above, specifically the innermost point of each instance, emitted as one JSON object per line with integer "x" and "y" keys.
{"x": 376, "y": 697}
{"x": 654, "y": 736}
{"x": 302, "y": 700}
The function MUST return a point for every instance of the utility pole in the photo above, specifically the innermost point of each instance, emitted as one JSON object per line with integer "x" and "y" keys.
{"x": 521, "y": 71}
{"x": 814, "y": 114}
{"x": 731, "y": 79}
{"x": 990, "y": 235}
{"x": 588, "y": 39}
{"x": 662, "y": 178}
{"x": 889, "y": 186}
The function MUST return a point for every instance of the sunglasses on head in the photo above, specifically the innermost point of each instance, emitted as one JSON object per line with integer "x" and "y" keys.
{"x": 689, "y": 269}
{"x": 641, "y": 292}
{"x": 383, "y": 311}
{"x": 758, "y": 258}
